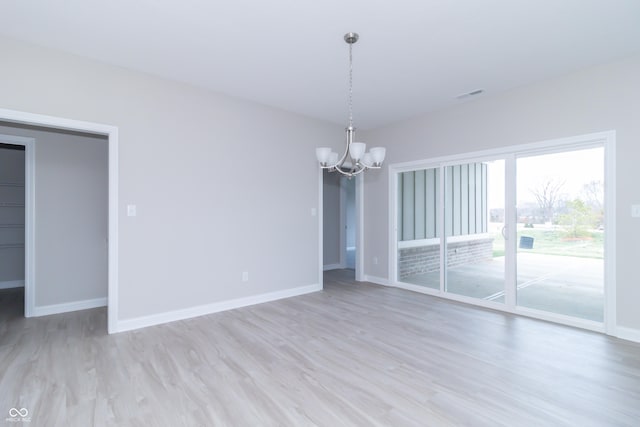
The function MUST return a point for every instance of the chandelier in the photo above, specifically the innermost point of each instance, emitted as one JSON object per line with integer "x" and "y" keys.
{"x": 354, "y": 160}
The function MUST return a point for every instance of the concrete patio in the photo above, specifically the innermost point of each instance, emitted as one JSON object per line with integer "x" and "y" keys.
{"x": 565, "y": 285}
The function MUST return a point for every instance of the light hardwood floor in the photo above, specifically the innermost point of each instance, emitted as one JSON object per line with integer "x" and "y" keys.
{"x": 353, "y": 354}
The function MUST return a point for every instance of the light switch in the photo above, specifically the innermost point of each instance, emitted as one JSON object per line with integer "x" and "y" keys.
{"x": 635, "y": 211}
{"x": 314, "y": 212}
{"x": 131, "y": 210}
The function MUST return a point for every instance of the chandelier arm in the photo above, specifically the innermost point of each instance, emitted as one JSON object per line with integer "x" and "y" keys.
{"x": 364, "y": 168}
{"x": 346, "y": 150}
{"x": 358, "y": 171}
{"x": 352, "y": 172}
{"x": 355, "y": 165}
{"x": 342, "y": 171}
{"x": 350, "y": 133}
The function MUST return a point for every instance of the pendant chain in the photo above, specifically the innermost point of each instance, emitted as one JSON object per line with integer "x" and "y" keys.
{"x": 350, "y": 85}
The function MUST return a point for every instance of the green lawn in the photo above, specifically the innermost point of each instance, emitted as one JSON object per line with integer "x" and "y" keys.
{"x": 555, "y": 242}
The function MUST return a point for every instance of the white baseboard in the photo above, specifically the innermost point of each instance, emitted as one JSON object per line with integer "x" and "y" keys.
{"x": 45, "y": 310}
{"x": 377, "y": 280}
{"x": 12, "y": 284}
{"x": 332, "y": 267}
{"x": 187, "y": 313}
{"x": 628, "y": 334}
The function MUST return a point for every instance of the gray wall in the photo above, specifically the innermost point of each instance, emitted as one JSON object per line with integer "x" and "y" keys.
{"x": 597, "y": 99}
{"x": 71, "y": 207}
{"x": 331, "y": 218}
{"x": 11, "y": 217}
{"x": 200, "y": 166}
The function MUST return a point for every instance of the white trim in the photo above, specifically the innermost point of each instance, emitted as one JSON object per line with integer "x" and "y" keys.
{"x": 187, "y": 313}
{"x": 360, "y": 249}
{"x": 610, "y": 295}
{"x": 332, "y": 267}
{"x": 522, "y": 149}
{"x": 406, "y": 244}
{"x": 392, "y": 256}
{"x": 112, "y": 134}
{"x": 320, "y": 218}
{"x": 511, "y": 235}
{"x": 628, "y": 334}
{"x": 343, "y": 222}
{"x": 376, "y": 280}
{"x": 10, "y": 284}
{"x": 29, "y": 217}
{"x": 45, "y": 310}
{"x": 442, "y": 227}
{"x": 113, "y": 232}
{"x": 30, "y": 280}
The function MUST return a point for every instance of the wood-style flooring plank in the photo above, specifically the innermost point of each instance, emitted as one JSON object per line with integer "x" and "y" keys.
{"x": 354, "y": 354}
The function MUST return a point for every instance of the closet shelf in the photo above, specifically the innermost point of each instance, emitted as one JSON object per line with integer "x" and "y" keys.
{"x": 11, "y": 245}
{"x": 11, "y": 184}
{"x": 11, "y": 205}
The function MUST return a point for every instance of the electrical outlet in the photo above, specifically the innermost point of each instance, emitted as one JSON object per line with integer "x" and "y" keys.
{"x": 245, "y": 276}
{"x": 375, "y": 260}
{"x": 635, "y": 211}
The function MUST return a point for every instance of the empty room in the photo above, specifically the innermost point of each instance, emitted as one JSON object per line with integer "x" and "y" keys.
{"x": 410, "y": 213}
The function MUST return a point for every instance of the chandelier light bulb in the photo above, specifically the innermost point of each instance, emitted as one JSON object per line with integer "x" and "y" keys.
{"x": 323, "y": 153}
{"x": 378, "y": 154}
{"x": 333, "y": 158}
{"x": 367, "y": 160}
{"x": 356, "y": 150}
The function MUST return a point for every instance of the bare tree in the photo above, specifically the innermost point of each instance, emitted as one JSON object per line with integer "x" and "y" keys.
{"x": 593, "y": 194}
{"x": 547, "y": 195}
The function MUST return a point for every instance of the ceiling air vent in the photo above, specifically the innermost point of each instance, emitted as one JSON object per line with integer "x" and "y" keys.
{"x": 470, "y": 94}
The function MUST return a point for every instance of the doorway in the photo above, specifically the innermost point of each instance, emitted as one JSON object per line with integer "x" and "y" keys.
{"x": 341, "y": 224}
{"x": 523, "y": 231}
{"x": 111, "y": 134}
{"x": 70, "y": 210}
{"x": 350, "y": 222}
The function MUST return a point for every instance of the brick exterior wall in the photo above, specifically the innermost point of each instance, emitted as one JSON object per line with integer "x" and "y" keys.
{"x": 426, "y": 259}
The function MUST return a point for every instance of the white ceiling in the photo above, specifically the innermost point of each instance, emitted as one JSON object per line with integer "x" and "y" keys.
{"x": 413, "y": 56}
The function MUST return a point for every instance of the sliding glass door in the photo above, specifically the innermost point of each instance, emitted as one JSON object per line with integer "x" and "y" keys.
{"x": 419, "y": 230}
{"x": 523, "y": 231}
{"x": 465, "y": 202}
{"x": 560, "y": 262}
{"x": 474, "y": 202}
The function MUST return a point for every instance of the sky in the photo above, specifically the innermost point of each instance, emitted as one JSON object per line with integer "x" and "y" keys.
{"x": 574, "y": 168}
